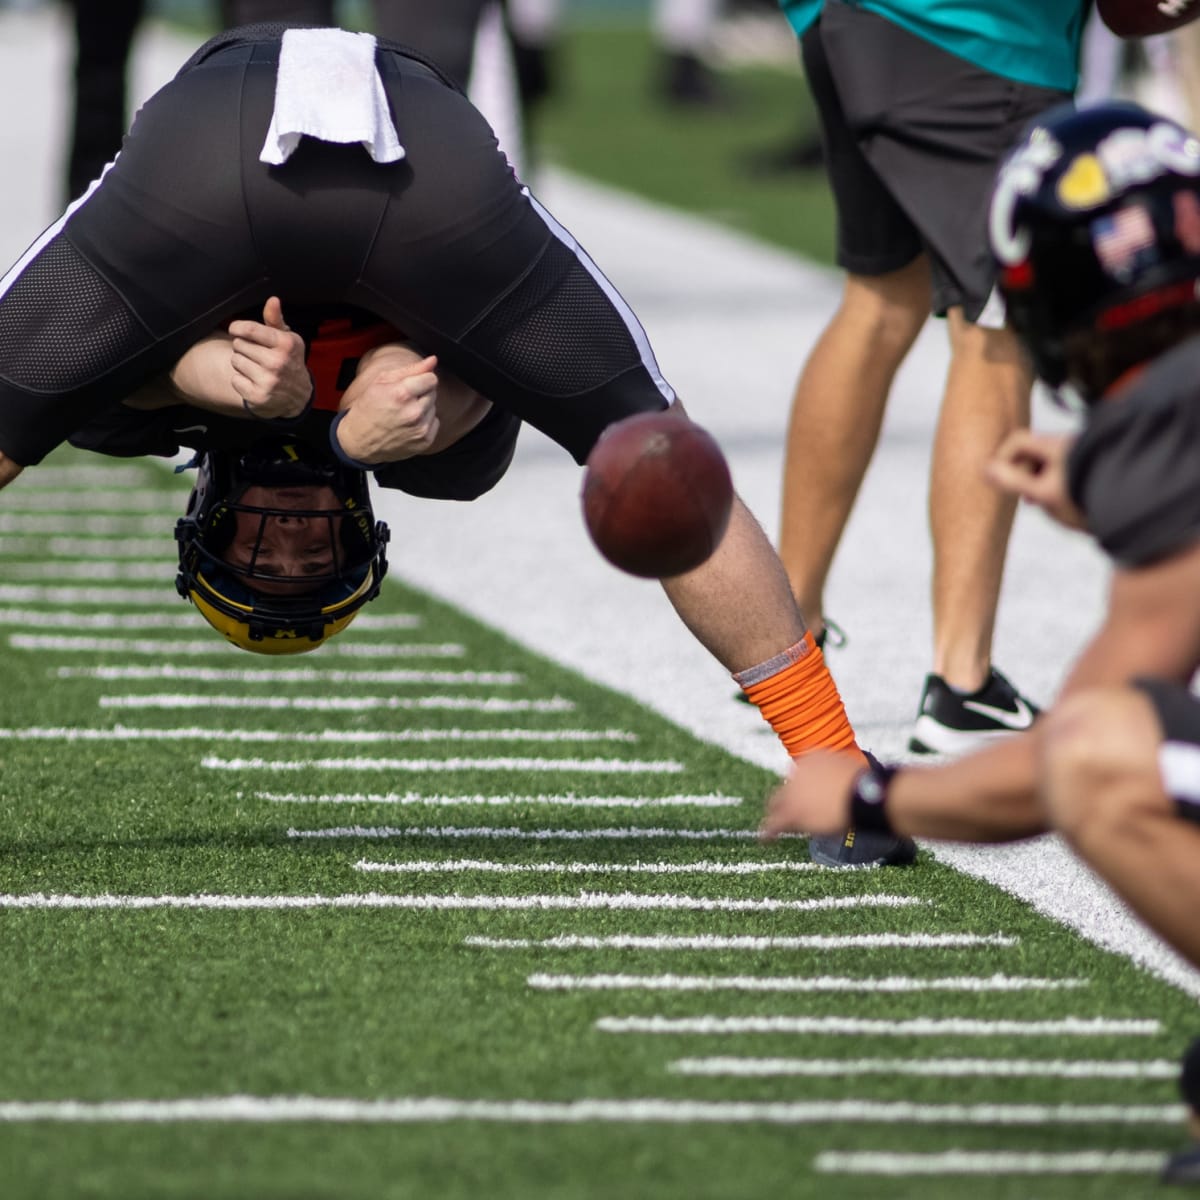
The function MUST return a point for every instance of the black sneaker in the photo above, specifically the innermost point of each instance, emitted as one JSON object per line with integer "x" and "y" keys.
{"x": 952, "y": 722}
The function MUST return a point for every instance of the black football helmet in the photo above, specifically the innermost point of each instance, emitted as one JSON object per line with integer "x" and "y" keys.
{"x": 1095, "y": 228}
{"x": 247, "y": 600}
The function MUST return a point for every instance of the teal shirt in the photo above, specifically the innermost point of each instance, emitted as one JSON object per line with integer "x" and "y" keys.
{"x": 1033, "y": 41}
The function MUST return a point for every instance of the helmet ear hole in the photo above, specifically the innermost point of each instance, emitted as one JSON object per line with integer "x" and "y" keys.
{"x": 252, "y": 607}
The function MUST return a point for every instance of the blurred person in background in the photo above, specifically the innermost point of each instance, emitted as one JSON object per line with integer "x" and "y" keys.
{"x": 104, "y": 31}
{"x": 918, "y": 103}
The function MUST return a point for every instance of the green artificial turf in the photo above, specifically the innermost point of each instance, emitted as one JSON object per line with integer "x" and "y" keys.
{"x": 162, "y": 1004}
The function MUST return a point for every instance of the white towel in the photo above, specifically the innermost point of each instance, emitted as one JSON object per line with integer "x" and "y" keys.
{"x": 328, "y": 87}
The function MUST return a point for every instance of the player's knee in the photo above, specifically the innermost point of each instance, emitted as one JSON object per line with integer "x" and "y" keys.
{"x": 1091, "y": 780}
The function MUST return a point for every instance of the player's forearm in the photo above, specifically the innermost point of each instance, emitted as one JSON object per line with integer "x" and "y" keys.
{"x": 203, "y": 377}
{"x": 988, "y": 796}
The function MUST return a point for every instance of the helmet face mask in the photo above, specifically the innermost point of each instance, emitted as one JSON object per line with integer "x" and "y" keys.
{"x": 279, "y": 549}
{"x": 1095, "y": 228}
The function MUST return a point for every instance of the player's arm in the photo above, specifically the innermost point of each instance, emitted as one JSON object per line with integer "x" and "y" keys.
{"x": 400, "y": 405}
{"x": 257, "y": 369}
{"x": 9, "y": 470}
{"x": 1152, "y": 628}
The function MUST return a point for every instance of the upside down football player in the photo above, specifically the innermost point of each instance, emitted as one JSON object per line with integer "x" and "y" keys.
{"x": 1095, "y": 223}
{"x": 249, "y": 186}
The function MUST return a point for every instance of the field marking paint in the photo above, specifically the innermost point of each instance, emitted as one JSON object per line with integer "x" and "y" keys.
{"x": 413, "y": 1109}
{"x": 798, "y": 983}
{"x": 66, "y": 524}
{"x": 16, "y": 546}
{"x": 989, "y": 1162}
{"x": 631, "y": 833}
{"x": 82, "y": 479}
{"x": 566, "y": 800}
{"x": 336, "y": 737}
{"x": 32, "y": 593}
{"x": 453, "y": 865}
{"x": 594, "y": 766}
{"x": 92, "y": 645}
{"x": 708, "y": 941}
{"x": 124, "y": 572}
{"x": 65, "y": 619}
{"x": 936, "y": 1068}
{"x": 293, "y": 675}
{"x": 863, "y": 1027}
{"x": 484, "y": 704}
{"x": 609, "y": 901}
{"x": 93, "y": 501}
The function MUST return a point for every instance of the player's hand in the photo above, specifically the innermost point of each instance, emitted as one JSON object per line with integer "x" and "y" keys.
{"x": 1033, "y": 467}
{"x": 268, "y": 366}
{"x": 390, "y": 410}
{"x": 815, "y": 797}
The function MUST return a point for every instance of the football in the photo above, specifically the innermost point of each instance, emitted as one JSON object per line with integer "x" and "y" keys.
{"x": 656, "y": 494}
{"x": 1143, "y": 18}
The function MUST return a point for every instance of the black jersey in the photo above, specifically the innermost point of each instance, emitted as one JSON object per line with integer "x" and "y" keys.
{"x": 1135, "y": 469}
{"x": 189, "y": 227}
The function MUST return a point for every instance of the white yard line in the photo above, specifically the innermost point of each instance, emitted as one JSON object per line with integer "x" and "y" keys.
{"x": 92, "y": 500}
{"x": 160, "y": 569}
{"x": 67, "y": 524}
{"x": 292, "y": 675}
{"x": 588, "y": 766}
{"x": 936, "y": 1068}
{"x": 30, "y": 593}
{"x": 564, "y": 800}
{"x": 582, "y": 902}
{"x": 403, "y": 1110}
{"x": 513, "y": 833}
{"x": 863, "y": 1027}
{"x": 710, "y": 941}
{"x": 989, "y": 1162}
{"x": 73, "y": 547}
{"x": 484, "y": 704}
{"x": 326, "y": 737}
{"x": 452, "y": 866}
{"x": 162, "y": 649}
{"x": 864, "y": 985}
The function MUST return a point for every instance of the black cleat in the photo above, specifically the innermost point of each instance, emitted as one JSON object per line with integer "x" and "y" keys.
{"x": 953, "y": 722}
{"x": 856, "y": 848}
{"x": 1183, "y": 1167}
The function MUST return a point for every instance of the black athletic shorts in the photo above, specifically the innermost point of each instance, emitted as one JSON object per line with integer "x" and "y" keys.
{"x": 1179, "y": 755}
{"x": 188, "y": 228}
{"x": 913, "y": 137}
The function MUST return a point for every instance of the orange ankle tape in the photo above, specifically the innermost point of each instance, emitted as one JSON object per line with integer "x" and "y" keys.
{"x": 802, "y": 704}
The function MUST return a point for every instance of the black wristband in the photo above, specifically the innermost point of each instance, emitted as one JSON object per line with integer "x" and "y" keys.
{"x": 286, "y": 422}
{"x": 868, "y": 799}
{"x": 342, "y": 456}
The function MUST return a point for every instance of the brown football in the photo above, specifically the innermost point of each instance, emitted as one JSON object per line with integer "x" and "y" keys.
{"x": 1143, "y": 18}
{"x": 656, "y": 494}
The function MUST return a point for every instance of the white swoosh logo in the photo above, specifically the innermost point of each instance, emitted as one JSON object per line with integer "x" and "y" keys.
{"x": 193, "y": 428}
{"x": 1021, "y": 719}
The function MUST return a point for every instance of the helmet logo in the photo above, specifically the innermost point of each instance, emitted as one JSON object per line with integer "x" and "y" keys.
{"x": 1020, "y": 176}
{"x": 1083, "y": 184}
{"x": 1131, "y": 156}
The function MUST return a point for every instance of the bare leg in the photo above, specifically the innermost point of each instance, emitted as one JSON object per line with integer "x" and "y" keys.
{"x": 837, "y": 411}
{"x": 987, "y": 396}
{"x": 738, "y": 603}
{"x": 1105, "y": 794}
